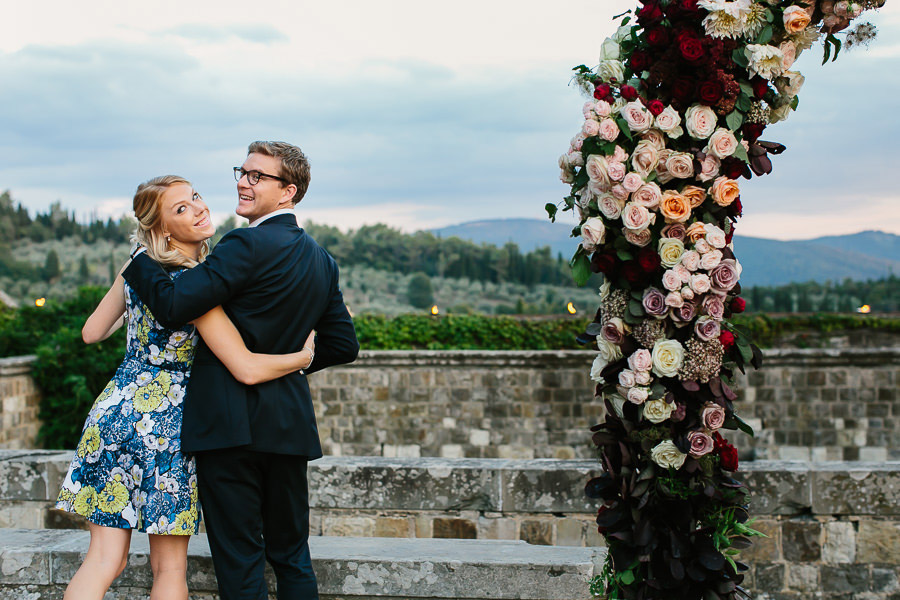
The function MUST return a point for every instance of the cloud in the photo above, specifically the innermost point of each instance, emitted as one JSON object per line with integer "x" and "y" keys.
{"x": 257, "y": 33}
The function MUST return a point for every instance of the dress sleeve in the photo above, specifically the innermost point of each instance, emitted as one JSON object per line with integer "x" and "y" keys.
{"x": 226, "y": 271}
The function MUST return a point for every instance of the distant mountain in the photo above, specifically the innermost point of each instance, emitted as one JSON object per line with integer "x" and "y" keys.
{"x": 864, "y": 255}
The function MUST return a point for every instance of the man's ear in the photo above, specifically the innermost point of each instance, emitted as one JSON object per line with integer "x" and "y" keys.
{"x": 287, "y": 195}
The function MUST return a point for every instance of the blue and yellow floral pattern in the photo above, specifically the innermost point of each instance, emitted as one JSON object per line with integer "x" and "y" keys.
{"x": 128, "y": 470}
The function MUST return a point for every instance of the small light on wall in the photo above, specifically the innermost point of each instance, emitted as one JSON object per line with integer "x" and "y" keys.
{"x": 39, "y": 302}
{"x": 571, "y": 308}
{"x": 864, "y": 309}
{"x": 434, "y": 309}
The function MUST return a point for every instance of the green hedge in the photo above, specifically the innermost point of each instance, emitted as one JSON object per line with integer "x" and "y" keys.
{"x": 71, "y": 374}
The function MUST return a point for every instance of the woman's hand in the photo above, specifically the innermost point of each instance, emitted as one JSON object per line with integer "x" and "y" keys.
{"x": 310, "y": 344}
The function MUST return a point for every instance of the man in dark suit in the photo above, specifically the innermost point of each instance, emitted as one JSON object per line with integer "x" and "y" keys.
{"x": 253, "y": 442}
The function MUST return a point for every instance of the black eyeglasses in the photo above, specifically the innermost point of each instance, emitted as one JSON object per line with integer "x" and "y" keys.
{"x": 253, "y": 177}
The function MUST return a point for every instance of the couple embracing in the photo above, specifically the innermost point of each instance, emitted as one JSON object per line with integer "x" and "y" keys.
{"x": 211, "y": 405}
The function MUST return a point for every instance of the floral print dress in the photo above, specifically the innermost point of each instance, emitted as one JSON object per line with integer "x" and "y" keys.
{"x": 128, "y": 470}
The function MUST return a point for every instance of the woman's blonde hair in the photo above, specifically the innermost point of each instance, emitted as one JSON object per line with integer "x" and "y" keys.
{"x": 149, "y": 232}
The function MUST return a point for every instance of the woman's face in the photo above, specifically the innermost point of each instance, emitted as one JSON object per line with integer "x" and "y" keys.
{"x": 184, "y": 215}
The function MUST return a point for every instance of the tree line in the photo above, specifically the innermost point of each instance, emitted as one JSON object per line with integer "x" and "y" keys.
{"x": 881, "y": 295}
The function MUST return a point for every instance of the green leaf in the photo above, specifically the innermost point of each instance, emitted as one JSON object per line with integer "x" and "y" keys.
{"x": 581, "y": 268}
{"x": 551, "y": 211}
{"x": 746, "y": 89}
{"x": 765, "y": 35}
{"x": 734, "y": 120}
{"x": 631, "y": 319}
{"x": 795, "y": 102}
{"x": 770, "y": 16}
{"x": 837, "y": 45}
{"x": 746, "y": 352}
{"x": 741, "y": 153}
{"x": 627, "y": 577}
{"x": 624, "y": 255}
{"x": 625, "y": 21}
{"x": 827, "y": 50}
{"x": 581, "y": 69}
{"x": 636, "y": 308}
{"x": 623, "y": 127}
{"x": 657, "y": 390}
{"x": 740, "y": 58}
{"x": 570, "y": 202}
{"x": 744, "y": 103}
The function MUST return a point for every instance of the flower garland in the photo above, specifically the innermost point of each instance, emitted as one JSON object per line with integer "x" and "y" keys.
{"x": 680, "y": 100}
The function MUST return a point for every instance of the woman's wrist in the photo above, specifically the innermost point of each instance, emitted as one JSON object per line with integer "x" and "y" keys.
{"x": 312, "y": 356}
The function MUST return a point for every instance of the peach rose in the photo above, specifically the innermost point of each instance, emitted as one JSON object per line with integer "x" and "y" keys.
{"x": 695, "y": 232}
{"x": 619, "y": 154}
{"x": 687, "y": 293}
{"x": 608, "y": 130}
{"x": 620, "y": 192}
{"x": 671, "y": 281}
{"x": 674, "y": 299}
{"x": 725, "y": 191}
{"x": 674, "y": 207}
{"x": 593, "y": 233}
{"x": 648, "y": 196}
{"x": 680, "y": 165}
{"x": 711, "y": 260}
{"x": 682, "y": 272}
{"x": 700, "y": 121}
{"x": 795, "y": 19}
{"x": 789, "y": 51}
{"x": 699, "y": 283}
{"x": 715, "y": 235}
{"x": 669, "y": 122}
{"x": 722, "y": 143}
{"x": 702, "y": 246}
{"x": 639, "y": 238}
{"x": 645, "y": 158}
{"x": 696, "y": 195}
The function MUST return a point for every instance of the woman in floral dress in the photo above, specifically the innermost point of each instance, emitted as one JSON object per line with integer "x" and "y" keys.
{"x": 128, "y": 472}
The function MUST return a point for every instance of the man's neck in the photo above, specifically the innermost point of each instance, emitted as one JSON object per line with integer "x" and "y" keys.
{"x": 276, "y": 212}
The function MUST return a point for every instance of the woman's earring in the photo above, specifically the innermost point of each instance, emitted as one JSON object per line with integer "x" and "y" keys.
{"x": 167, "y": 239}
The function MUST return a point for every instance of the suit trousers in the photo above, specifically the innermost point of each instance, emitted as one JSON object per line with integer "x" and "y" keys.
{"x": 256, "y": 506}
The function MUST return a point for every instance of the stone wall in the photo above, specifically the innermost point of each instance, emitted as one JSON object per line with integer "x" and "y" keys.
{"x": 805, "y": 404}
{"x": 19, "y": 403}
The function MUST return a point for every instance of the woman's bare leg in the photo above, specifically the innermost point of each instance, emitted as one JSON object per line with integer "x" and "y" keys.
{"x": 168, "y": 559}
{"x": 106, "y": 559}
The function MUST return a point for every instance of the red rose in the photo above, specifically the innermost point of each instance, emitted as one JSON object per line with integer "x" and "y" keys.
{"x": 752, "y": 131}
{"x": 728, "y": 456}
{"x": 628, "y": 92}
{"x": 603, "y": 263}
{"x": 711, "y": 92}
{"x": 691, "y": 48}
{"x": 650, "y": 13}
{"x": 727, "y": 339}
{"x": 738, "y": 305}
{"x": 601, "y": 91}
{"x": 689, "y": 6}
{"x": 760, "y": 87}
{"x": 657, "y": 36}
{"x": 649, "y": 259}
{"x": 632, "y": 272}
{"x": 656, "y": 107}
{"x": 683, "y": 90}
{"x": 640, "y": 60}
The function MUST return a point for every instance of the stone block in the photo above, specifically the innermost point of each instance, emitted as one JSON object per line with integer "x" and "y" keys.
{"x": 878, "y": 542}
{"x": 392, "y": 527}
{"x": 845, "y": 579}
{"x": 803, "y": 577}
{"x": 777, "y": 488}
{"x": 548, "y": 486}
{"x": 479, "y": 437}
{"x": 570, "y": 531}
{"x": 840, "y": 542}
{"x": 454, "y": 528}
{"x": 769, "y": 577}
{"x": 764, "y": 549}
{"x": 885, "y": 580}
{"x": 537, "y": 532}
{"x": 497, "y": 527}
{"x": 801, "y": 540}
{"x": 348, "y": 526}
{"x": 855, "y": 489}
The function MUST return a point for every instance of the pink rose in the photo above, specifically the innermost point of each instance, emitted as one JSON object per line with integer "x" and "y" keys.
{"x": 636, "y": 217}
{"x": 637, "y": 116}
{"x": 639, "y": 238}
{"x": 640, "y": 360}
{"x": 616, "y": 170}
{"x": 626, "y": 378}
{"x": 619, "y": 154}
{"x": 638, "y": 395}
{"x": 699, "y": 283}
{"x": 685, "y": 312}
{"x": 712, "y": 415}
{"x": 603, "y": 108}
{"x": 642, "y": 378}
{"x": 645, "y": 158}
{"x": 632, "y": 182}
{"x": 610, "y": 206}
{"x": 608, "y": 130}
{"x": 682, "y": 272}
{"x": 725, "y": 276}
{"x": 576, "y": 159}
{"x": 597, "y": 171}
{"x": 691, "y": 260}
{"x": 709, "y": 168}
{"x": 671, "y": 281}
{"x": 701, "y": 443}
{"x": 722, "y": 143}
{"x": 576, "y": 142}
{"x": 789, "y": 51}
{"x": 714, "y": 235}
{"x": 590, "y": 128}
{"x": 656, "y": 137}
{"x": 620, "y": 192}
{"x": 674, "y": 299}
{"x": 711, "y": 260}
{"x": 679, "y": 413}
{"x": 702, "y": 246}
{"x": 687, "y": 293}
{"x": 672, "y": 230}
{"x": 648, "y": 196}
{"x": 700, "y": 121}
{"x": 592, "y": 233}
{"x": 613, "y": 331}
{"x": 654, "y": 302}
{"x": 588, "y": 110}
{"x": 714, "y": 307}
{"x": 680, "y": 165}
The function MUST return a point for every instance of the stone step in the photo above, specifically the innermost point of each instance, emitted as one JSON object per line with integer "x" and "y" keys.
{"x": 36, "y": 564}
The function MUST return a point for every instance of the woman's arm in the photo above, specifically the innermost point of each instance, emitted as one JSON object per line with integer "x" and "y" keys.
{"x": 249, "y": 368}
{"x": 108, "y": 316}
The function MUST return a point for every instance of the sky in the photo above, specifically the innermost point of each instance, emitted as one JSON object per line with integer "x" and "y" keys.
{"x": 414, "y": 114}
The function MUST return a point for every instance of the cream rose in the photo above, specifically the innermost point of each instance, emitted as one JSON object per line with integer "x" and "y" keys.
{"x": 725, "y": 191}
{"x": 607, "y": 353}
{"x": 722, "y": 143}
{"x": 596, "y": 166}
{"x": 691, "y": 260}
{"x": 636, "y": 217}
{"x": 680, "y": 165}
{"x": 593, "y": 232}
{"x": 648, "y": 196}
{"x": 669, "y": 122}
{"x": 714, "y": 235}
{"x": 795, "y": 19}
{"x": 608, "y": 130}
{"x": 656, "y": 137}
{"x": 700, "y": 121}
{"x": 611, "y": 70}
{"x": 674, "y": 207}
{"x": 670, "y": 251}
{"x": 667, "y": 455}
{"x": 789, "y": 83}
{"x": 645, "y": 158}
{"x": 637, "y": 116}
{"x": 711, "y": 260}
{"x": 637, "y": 395}
{"x": 657, "y": 411}
{"x": 667, "y": 356}
{"x": 626, "y": 378}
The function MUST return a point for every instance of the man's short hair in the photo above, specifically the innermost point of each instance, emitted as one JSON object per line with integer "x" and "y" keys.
{"x": 294, "y": 164}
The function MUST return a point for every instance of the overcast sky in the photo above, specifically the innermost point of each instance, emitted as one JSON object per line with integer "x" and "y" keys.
{"x": 416, "y": 114}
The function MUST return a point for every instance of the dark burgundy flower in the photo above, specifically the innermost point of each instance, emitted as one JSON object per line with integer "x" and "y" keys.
{"x": 640, "y": 60}
{"x": 601, "y": 91}
{"x": 657, "y": 36}
{"x": 656, "y": 107}
{"x": 738, "y": 305}
{"x": 650, "y": 13}
{"x": 683, "y": 90}
{"x": 735, "y": 209}
{"x": 711, "y": 92}
{"x": 760, "y": 87}
{"x": 728, "y": 456}
{"x": 733, "y": 167}
{"x": 752, "y": 131}
{"x": 727, "y": 339}
{"x": 632, "y": 272}
{"x": 649, "y": 259}
{"x": 691, "y": 48}
{"x": 628, "y": 92}
{"x": 690, "y": 6}
{"x": 730, "y": 233}
{"x": 604, "y": 263}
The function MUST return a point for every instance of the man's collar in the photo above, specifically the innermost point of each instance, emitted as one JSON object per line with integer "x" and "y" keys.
{"x": 282, "y": 211}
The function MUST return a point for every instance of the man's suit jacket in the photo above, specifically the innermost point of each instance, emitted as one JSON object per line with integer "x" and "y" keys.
{"x": 277, "y": 284}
